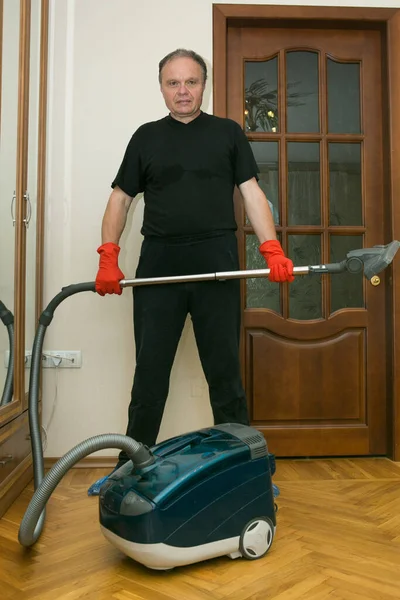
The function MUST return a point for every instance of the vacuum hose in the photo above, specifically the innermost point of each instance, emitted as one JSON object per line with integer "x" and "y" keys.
{"x": 31, "y": 526}
{"x": 8, "y": 319}
{"x": 32, "y": 523}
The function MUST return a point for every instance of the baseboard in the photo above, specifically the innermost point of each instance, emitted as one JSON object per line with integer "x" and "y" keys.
{"x": 95, "y": 462}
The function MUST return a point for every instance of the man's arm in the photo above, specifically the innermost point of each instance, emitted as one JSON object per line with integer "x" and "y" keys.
{"x": 258, "y": 210}
{"x": 114, "y": 220}
{"x": 115, "y": 215}
{"x": 260, "y": 216}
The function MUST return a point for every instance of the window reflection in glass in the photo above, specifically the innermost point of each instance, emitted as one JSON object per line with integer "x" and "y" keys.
{"x": 305, "y": 293}
{"x": 261, "y": 96}
{"x": 267, "y": 159}
{"x": 260, "y": 292}
{"x": 302, "y": 96}
{"x": 343, "y": 97}
{"x": 345, "y": 191}
{"x": 346, "y": 288}
{"x": 304, "y": 183}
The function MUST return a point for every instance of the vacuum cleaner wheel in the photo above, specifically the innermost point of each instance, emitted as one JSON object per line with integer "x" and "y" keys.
{"x": 256, "y": 538}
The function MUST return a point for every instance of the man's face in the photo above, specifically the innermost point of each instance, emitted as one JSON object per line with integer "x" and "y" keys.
{"x": 182, "y": 87}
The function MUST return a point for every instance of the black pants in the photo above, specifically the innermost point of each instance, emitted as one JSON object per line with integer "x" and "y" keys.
{"x": 160, "y": 313}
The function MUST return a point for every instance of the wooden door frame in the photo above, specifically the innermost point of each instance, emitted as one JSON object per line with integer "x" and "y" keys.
{"x": 388, "y": 21}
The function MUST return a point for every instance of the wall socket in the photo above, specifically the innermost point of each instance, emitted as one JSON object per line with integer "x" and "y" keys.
{"x": 61, "y": 359}
{"x": 28, "y": 359}
{"x": 52, "y": 359}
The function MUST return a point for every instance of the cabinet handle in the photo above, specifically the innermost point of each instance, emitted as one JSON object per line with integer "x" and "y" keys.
{"x": 12, "y": 208}
{"x": 5, "y": 460}
{"x": 28, "y": 210}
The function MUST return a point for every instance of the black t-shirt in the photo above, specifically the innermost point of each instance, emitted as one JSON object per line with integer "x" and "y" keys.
{"x": 187, "y": 173}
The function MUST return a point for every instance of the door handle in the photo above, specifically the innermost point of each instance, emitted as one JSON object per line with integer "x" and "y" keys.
{"x": 12, "y": 208}
{"x": 28, "y": 210}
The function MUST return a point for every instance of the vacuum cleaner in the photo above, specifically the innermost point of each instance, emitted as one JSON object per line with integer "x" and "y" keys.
{"x": 194, "y": 497}
{"x": 8, "y": 320}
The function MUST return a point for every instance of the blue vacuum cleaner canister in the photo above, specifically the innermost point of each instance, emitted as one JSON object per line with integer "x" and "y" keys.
{"x": 208, "y": 493}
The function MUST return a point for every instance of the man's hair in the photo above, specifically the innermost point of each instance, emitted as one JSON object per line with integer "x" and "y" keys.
{"x": 182, "y": 53}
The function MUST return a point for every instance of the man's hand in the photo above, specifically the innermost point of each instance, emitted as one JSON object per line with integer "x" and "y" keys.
{"x": 260, "y": 216}
{"x": 281, "y": 267}
{"x": 109, "y": 274}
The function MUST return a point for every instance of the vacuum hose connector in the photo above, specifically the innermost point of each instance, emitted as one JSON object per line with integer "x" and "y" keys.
{"x": 31, "y": 525}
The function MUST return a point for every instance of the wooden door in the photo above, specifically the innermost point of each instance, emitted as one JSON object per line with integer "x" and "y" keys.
{"x": 314, "y": 352}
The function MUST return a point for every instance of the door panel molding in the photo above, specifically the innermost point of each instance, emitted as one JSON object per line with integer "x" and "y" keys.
{"x": 356, "y": 438}
{"x": 337, "y": 399}
{"x": 386, "y": 20}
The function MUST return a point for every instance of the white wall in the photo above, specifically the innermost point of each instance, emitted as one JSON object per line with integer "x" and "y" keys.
{"x": 103, "y": 85}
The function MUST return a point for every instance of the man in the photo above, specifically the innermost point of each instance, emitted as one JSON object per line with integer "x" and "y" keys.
{"x": 187, "y": 165}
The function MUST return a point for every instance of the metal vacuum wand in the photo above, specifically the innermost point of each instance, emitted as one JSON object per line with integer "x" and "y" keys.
{"x": 221, "y": 276}
{"x": 371, "y": 261}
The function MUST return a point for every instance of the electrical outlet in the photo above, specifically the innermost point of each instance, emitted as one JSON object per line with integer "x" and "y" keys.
{"x": 61, "y": 359}
{"x": 28, "y": 359}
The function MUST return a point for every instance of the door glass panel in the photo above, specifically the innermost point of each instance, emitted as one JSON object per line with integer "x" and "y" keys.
{"x": 346, "y": 288}
{"x": 343, "y": 97}
{"x": 266, "y": 156}
{"x": 304, "y": 183}
{"x": 302, "y": 101}
{"x": 345, "y": 191}
{"x": 305, "y": 295}
{"x": 260, "y": 292}
{"x": 261, "y": 95}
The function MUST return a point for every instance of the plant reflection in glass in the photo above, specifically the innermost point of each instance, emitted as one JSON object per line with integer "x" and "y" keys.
{"x": 261, "y": 106}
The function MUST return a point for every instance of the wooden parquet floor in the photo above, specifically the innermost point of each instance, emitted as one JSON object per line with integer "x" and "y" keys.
{"x": 338, "y": 537}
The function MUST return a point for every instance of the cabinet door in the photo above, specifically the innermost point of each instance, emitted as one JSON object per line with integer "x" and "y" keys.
{"x": 10, "y": 16}
{"x": 30, "y": 178}
{"x": 24, "y": 40}
{"x": 23, "y": 43}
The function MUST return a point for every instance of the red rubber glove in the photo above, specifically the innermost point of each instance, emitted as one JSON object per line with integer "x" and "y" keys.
{"x": 109, "y": 274}
{"x": 281, "y": 267}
